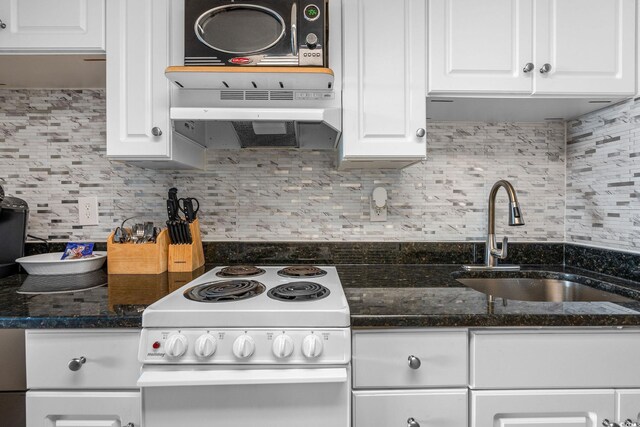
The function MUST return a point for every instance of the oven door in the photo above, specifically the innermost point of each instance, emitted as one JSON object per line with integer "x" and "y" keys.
{"x": 230, "y": 396}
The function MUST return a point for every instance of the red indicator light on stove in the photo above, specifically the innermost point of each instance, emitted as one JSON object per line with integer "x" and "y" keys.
{"x": 240, "y": 60}
{"x": 156, "y": 345}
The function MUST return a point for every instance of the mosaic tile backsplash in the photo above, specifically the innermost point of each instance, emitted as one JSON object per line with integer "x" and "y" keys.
{"x": 603, "y": 178}
{"x": 52, "y": 151}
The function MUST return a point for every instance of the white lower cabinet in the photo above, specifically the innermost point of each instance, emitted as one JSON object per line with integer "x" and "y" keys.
{"x": 537, "y": 408}
{"x": 83, "y": 378}
{"x": 412, "y": 377}
{"x": 83, "y": 409}
{"x": 428, "y": 408}
{"x": 628, "y": 405}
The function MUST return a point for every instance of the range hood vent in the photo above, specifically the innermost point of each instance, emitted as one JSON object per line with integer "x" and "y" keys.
{"x": 257, "y": 107}
{"x": 256, "y": 95}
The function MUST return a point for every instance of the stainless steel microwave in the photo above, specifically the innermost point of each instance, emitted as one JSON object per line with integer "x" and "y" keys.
{"x": 291, "y": 33}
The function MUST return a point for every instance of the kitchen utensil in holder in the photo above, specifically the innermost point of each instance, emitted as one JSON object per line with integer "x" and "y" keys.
{"x": 145, "y": 258}
{"x": 187, "y": 257}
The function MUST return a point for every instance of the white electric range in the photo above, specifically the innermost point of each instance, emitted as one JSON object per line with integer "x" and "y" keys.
{"x": 268, "y": 346}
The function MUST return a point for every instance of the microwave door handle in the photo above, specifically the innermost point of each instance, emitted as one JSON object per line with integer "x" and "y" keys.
{"x": 294, "y": 29}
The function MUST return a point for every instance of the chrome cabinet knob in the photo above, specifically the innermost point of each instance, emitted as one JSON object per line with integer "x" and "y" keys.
{"x": 414, "y": 362}
{"x": 545, "y": 68}
{"x": 411, "y": 422}
{"x": 528, "y": 67}
{"x": 629, "y": 423}
{"x": 421, "y": 132}
{"x": 156, "y": 131}
{"x": 2, "y": 25}
{"x": 76, "y": 364}
{"x": 607, "y": 423}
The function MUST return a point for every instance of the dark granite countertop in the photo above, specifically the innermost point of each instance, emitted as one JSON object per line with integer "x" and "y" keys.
{"x": 379, "y": 296}
{"x": 428, "y": 296}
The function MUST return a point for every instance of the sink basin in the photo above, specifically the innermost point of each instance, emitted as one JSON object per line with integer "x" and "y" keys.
{"x": 539, "y": 289}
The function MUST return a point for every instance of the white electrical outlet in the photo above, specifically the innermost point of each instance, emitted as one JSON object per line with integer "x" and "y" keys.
{"x": 88, "y": 211}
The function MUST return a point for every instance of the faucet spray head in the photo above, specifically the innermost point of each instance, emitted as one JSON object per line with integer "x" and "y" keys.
{"x": 515, "y": 214}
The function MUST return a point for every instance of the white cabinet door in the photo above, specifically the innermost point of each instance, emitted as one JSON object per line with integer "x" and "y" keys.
{"x": 480, "y": 46}
{"x": 589, "y": 44}
{"x": 628, "y": 405}
{"x": 52, "y": 25}
{"x": 137, "y": 90}
{"x": 384, "y": 81}
{"x": 83, "y": 409}
{"x": 436, "y": 408}
{"x": 538, "y": 408}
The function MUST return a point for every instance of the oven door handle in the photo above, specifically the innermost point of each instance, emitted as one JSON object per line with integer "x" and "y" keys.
{"x": 180, "y": 378}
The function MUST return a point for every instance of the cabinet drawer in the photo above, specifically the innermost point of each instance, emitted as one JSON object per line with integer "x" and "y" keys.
{"x": 85, "y": 408}
{"x": 111, "y": 359}
{"x": 430, "y": 408}
{"x": 380, "y": 359}
{"x": 539, "y": 408}
{"x": 555, "y": 359}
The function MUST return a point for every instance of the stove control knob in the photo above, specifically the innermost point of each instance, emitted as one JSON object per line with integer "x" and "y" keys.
{"x": 244, "y": 346}
{"x": 176, "y": 345}
{"x": 312, "y": 346}
{"x": 282, "y": 346}
{"x": 205, "y": 346}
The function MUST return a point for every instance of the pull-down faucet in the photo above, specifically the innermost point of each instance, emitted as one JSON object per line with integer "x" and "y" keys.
{"x": 492, "y": 254}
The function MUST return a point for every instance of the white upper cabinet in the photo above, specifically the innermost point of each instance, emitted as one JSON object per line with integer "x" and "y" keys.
{"x": 384, "y": 111}
{"x": 589, "y": 45}
{"x": 480, "y": 46}
{"x": 138, "y": 93}
{"x": 532, "y": 47}
{"x": 52, "y": 26}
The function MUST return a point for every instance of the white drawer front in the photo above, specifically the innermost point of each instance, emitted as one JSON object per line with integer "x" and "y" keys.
{"x": 430, "y": 408}
{"x": 539, "y": 408}
{"x": 380, "y": 359}
{"x": 83, "y": 409}
{"x": 111, "y": 359}
{"x": 555, "y": 359}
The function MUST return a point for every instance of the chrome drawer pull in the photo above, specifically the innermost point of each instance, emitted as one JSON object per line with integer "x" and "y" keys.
{"x": 414, "y": 362}
{"x": 607, "y": 423}
{"x": 411, "y": 422}
{"x": 76, "y": 364}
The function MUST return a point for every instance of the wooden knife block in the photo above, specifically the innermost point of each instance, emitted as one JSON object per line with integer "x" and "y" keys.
{"x": 146, "y": 258}
{"x": 186, "y": 258}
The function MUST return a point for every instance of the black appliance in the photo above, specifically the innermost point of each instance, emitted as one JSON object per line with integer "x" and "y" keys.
{"x": 14, "y": 214}
{"x": 291, "y": 33}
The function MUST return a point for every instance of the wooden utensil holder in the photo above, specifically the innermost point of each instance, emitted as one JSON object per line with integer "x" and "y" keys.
{"x": 186, "y": 258}
{"x": 145, "y": 258}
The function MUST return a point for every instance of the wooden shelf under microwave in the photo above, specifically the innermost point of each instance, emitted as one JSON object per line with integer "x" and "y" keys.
{"x": 251, "y": 78}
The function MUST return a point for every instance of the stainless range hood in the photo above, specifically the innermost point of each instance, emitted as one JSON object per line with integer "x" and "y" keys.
{"x": 270, "y": 107}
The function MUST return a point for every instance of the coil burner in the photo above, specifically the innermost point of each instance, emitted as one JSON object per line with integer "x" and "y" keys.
{"x": 302, "y": 271}
{"x": 225, "y": 291}
{"x": 240, "y": 271}
{"x": 298, "y": 291}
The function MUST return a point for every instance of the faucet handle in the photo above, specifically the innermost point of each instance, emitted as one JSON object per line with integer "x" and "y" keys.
{"x": 502, "y": 252}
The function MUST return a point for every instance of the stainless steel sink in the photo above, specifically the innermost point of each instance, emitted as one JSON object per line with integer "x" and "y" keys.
{"x": 549, "y": 290}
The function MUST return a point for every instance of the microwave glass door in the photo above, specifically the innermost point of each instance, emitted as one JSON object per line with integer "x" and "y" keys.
{"x": 240, "y": 29}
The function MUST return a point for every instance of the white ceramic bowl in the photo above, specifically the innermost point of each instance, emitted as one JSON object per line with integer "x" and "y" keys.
{"x": 51, "y": 264}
